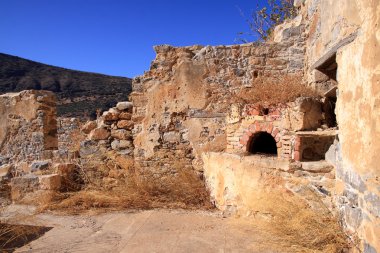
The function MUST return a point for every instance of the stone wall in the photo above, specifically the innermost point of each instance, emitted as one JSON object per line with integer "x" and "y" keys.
{"x": 112, "y": 131}
{"x": 28, "y": 127}
{"x": 282, "y": 121}
{"x": 236, "y": 181}
{"x": 180, "y": 104}
{"x": 349, "y": 34}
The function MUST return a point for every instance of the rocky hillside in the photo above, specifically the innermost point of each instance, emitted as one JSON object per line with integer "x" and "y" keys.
{"x": 79, "y": 93}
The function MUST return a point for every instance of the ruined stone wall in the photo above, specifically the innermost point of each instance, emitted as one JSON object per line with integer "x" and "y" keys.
{"x": 236, "y": 181}
{"x": 180, "y": 104}
{"x": 282, "y": 121}
{"x": 28, "y": 127}
{"x": 349, "y": 32}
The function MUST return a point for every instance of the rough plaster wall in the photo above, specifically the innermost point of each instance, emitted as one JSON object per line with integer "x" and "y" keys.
{"x": 180, "y": 104}
{"x": 358, "y": 114}
{"x": 28, "y": 125}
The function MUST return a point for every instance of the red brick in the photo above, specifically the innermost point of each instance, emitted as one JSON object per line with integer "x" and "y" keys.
{"x": 248, "y": 133}
{"x": 254, "y": 112}
{"x": 258, "y": 126}
{"x": 297, "y": 156}
{"x": 279, "y": 144}
{"x": 252, "y": 128}
{"x": 275, "y": 132}
{"x": 244, "y": 139}
{"x": 298, "y": 140}
{"x": 270, "y": 127}
{"x": 277, "y": 138}
{"x": 275, "y": 113}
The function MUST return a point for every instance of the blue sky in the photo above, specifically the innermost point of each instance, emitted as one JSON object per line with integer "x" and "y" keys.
{"x": 114, "y": 37}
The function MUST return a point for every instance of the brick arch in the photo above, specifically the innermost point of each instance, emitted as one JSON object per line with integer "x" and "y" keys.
{"x": 260, "y": 127}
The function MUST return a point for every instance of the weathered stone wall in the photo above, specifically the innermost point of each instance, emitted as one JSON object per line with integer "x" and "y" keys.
{"x": 180, "y": 104}
{"x": 28, "y": 127}
{"x": 282, "y": 121}
{"x": 112, "y": 131}
{"x": 69, "y": 137}
{"x": 236, "y": 181}
{"x": 350, "y": 30}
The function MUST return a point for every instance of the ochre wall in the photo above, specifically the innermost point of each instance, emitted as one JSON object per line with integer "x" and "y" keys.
{"x": 358, "y": 112}
{"x": 28, "y": 125}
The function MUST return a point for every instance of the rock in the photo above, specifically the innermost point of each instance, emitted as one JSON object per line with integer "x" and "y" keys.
{"x": 297, "y": 3}
{"x": 5, "y": 170}
{"x": 125, "y": 115}
{"x": 172, "y": 137}
{"x": 124, "y": 105}
{"x": 50, "y": 182}
{"x": 124, "y": 162}
{"x": 330, "y": 155}
{"x": 88, "y": 148}
{"x": 125, "y": 144}
{"x": 99, "y": 134}
{"x": 111, "y": 115}
{"x": 125, "y": 124}
{"x": 39, "y": 165}
{"x": 22, "y": 167}
{"x": 121, "y": 134}
{"x": 89, "y": 126}
{"x": 317, "y": 167}
{"x": 115, "y": 144}
{"x": 372, "y": 202}
{"x": 64, "y": 169}
{"x": 22, "y": 185}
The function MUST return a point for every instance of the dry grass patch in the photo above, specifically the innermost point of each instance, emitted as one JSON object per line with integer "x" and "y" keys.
{"x": 15, "y": 236}
{"x": 276, "y": 90}
{"x": 183, "y": 190}
{"x": 295, "y": 227}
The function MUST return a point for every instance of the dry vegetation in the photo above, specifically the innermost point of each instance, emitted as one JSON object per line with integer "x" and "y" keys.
{"x": 294, "y": 226}
{"x": 128, "y": 190}
{"x": 276, "y": 90}
{"x": 14, "y": 236}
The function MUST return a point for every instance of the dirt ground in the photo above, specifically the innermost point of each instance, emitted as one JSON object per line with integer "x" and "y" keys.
{"x": 141, "y": 231}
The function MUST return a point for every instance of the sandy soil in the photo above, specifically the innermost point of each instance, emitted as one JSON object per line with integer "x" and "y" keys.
{"x": 141, "y": 231}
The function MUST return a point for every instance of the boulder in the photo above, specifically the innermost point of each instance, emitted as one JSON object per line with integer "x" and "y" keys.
{"x": 22, "y": 185}
{"x": 111, "y": 115}
{"x": 125, "y": 144}
{"x": 50, "y": 182}
{"x": 124, "y": 105}
{"x": 121, "y": 134}
{"x": 317, "y": 167}
{"x": 115, "y": 144}
{"x": 99, "y": 134}
{"x": 125, "y": 115}
{"x": 172, "y": 137}
{"x": 39, "y": 166}
{"x": 89, "y": 126}
{"x": 88, "y": 148}
{"x": 5, "y": 170}
{"x": 125, "y": 124}
{"x": 64, "y": 169}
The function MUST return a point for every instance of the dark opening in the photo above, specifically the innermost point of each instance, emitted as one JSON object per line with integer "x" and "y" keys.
{"x": 329, "y": 67}
{"x": 265, "y": 111}
{"x": 263, "y": 143}
{"x": 329, "y": 111}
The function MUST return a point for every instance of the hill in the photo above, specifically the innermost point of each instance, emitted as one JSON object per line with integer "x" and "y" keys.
{"x": 78, "y": 93}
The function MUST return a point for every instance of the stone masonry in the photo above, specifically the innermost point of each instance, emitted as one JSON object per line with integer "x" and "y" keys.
{"x": 180, "y": 104}
{"x": 28, "y": 127}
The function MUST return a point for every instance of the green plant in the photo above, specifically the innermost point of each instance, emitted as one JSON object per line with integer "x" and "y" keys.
{"x": 263, "y": 20}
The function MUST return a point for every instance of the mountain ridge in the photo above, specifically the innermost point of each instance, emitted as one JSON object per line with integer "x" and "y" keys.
{"x": 79, "y": 93}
